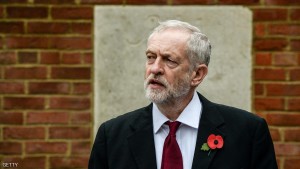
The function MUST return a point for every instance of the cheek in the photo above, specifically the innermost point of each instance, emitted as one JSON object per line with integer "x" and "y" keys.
{"x": 182, "y": 76}
{"x": 147, "y": 72}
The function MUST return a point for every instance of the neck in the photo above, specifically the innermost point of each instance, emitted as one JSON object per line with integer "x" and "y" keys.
{"x": 174, "y": 107}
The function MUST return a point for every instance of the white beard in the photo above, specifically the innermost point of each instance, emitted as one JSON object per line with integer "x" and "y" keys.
{"x": 170, "y": 92}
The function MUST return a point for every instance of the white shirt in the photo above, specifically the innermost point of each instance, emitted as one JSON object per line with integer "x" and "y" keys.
{"x": 186, "y": 134}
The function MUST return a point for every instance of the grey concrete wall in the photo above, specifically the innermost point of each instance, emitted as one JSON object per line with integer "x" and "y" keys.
{"x": 119, "y": 57}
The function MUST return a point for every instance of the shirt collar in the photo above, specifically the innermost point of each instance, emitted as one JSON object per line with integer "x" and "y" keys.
{"x": 190, "y": 115}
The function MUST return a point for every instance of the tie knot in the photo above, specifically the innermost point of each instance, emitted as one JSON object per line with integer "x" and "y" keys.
{"x": 173, "y": 127}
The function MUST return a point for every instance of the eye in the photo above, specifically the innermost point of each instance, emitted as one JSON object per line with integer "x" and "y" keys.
{"x": 171, "y": 63}
{"x": 170, "y": 60}
{"x": 151, "y": 58}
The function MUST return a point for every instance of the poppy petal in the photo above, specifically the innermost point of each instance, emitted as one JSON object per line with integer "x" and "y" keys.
{"x": 210, "y": 141}
{"x": 220, "y": 141}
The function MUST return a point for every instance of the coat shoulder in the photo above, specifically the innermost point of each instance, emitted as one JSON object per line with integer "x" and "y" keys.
{"x": 238, "y": 120}
{"x": 236, "y": 113}
{"x": 123, "y": 122}
{"x": 229, "y": 113}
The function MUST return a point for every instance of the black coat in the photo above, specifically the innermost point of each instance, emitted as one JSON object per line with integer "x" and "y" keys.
{"x": 127, "y": 142}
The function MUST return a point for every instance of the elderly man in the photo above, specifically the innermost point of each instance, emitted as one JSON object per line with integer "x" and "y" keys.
{"x": 181, "y": 129}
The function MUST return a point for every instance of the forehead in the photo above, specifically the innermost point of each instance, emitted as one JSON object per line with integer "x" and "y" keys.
{"x": 170, "y": 40}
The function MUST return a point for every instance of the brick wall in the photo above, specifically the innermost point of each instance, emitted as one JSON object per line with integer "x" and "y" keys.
{"x": 46, "y": 70}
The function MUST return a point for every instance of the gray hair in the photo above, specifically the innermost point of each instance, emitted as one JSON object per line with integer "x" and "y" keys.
{"x": 198, "y": 47}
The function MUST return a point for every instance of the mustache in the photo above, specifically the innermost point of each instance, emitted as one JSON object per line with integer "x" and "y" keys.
{"x": 152, "y": 78}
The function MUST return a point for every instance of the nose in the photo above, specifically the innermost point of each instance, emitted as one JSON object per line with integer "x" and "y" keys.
{"x": 157, "y": 67}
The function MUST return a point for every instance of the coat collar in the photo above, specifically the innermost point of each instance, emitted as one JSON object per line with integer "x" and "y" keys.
{"x": 211, "y": 122}
{"x": 141, "y": 141}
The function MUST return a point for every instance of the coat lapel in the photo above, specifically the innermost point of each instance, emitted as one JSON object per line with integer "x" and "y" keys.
{"x": 141, "y": 142}
{"x": 211, "y": 122}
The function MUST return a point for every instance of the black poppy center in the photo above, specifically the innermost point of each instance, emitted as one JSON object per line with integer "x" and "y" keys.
{"x": 216, "y": 142}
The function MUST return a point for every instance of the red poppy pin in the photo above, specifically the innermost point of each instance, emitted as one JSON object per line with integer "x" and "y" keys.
{"x": 213, "y": 142}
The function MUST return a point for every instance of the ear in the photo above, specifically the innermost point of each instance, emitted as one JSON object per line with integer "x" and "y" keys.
{"x": 199, "y": 74}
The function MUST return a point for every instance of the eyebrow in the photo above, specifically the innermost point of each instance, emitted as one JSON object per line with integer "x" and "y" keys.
{"x": 149, "y": 51}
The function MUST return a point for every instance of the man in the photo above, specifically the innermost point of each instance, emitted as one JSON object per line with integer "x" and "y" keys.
{"x": 181, "y": 129}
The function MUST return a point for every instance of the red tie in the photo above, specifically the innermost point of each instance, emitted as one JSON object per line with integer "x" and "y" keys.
{"x": 172, "y": 158}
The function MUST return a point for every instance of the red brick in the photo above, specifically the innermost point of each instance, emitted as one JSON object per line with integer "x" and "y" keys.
{"x": 8, "y": 148}
{"x": 47, "y": 118}
{"x": 270, "y": 44}
{"x": 285, "y": 59}
{"x": 1, "y": 12}
{"x": 259, "y": 89}
{"x": 292, "y": 163}
{"x": 102, "y": 1}
{"x": 283, "y": 89}
{"x": 11, "y": 103}
{"x": 54, "y": 1}
{"x": 13, "y": 1}
{"x": 292, "y": 135}
{"x": 27, "y": 12}
{"x": 263, "y": 59}
{"x": 49, "y": 43}
{"x": 70, "y": 73}
{"x": 260, "y": 29}
{"x": 79, "y": 103}
{"x": 27, "y": 162}
{"x": 14, "y": 42}
{"x": 72, "y": 12}
{"x": 275, "y": 134}
{"x": 295, "y": 45}
{"x": 71, "y": 43}
{"x": 295, "y": 14}
{"x": 81, "y": 118}
{"x": 11, "y": 88}
{"x": 282, "y": 2}
{"x": 11, "y": 118}
{"x": 269, "y": 74}
{"x": 284, "y": 29}
{"x": 8, "y": 58}
{"x": 24, "y": 133}
{"x": 192, "y": 2}
{"x": 71, "y": 58}
{"x": 27, "y": 57}
{"x": 46, "y": 147}
{"x": 239, "y": 2}
{"x": 1, "y": 75}
{"x": 25, "y": 73}
{"x": 295, "y": 74}
{"x": 294, "y": 104}
{"x": 81, "y": 28}
{"x": 50, "y": 58}
{"x": 152, "y": 2}
{"x": 283, "y": 119}
{"x": 82, "y": 88}
{"x": 267, "y": 14}
{"x": 11, "y": 27}
{"x": 269, "y": 104}
{"x": 69, "y": 162}
{"x": 284, "y": 149}
{"x": 1, "y": 42}
{"x": 69, "y": 133}
{"x": 88, "y": 58}
{"x": 48, "y": 27}
{"x": 49, "y": 88}
{"x": 81, "y": 147}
